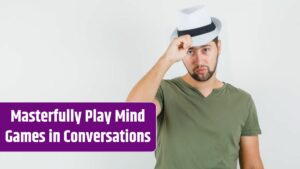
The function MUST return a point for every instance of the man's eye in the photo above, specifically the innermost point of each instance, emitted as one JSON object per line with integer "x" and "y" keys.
{"x": 205, "y": 49}
{"x": 190, "y": 52}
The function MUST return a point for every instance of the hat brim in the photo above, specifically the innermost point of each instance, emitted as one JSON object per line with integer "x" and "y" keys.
{"x": 203, "y": 39}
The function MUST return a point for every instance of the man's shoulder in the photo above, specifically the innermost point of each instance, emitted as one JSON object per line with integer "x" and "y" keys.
{"x": 236, "y": 91}
{"x": 170, "y": 82}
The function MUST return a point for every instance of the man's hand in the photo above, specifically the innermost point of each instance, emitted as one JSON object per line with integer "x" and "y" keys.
{"x": 178, "y": 48}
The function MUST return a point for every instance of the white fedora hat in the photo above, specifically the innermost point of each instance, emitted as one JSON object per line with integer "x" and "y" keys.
{"x": 196, "y": 22}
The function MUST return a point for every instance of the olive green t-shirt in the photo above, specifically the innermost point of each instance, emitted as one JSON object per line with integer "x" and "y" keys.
{"x": 197, "y": 132}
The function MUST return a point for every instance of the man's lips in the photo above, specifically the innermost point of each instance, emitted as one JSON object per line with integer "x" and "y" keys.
{"x": 201, "y": 70}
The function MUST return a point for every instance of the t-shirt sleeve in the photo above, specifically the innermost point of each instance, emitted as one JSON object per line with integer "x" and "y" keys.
{"x": 160, "y": 96}
{"x": 251, "y": 126}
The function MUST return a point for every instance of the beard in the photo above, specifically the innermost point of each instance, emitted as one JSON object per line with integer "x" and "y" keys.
{"x": 203, "y": 77}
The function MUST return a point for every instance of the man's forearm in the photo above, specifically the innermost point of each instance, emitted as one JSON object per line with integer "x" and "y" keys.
{"x": 145, "y": 90}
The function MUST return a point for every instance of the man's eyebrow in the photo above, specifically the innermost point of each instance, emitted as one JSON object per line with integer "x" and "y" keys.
{"x": 203, "y": 46}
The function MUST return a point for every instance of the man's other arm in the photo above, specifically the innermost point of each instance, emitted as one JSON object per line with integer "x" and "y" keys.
{"x": 249, "y": 153}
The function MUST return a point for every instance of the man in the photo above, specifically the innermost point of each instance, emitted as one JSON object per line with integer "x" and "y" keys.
{"x": 203, "y": 123}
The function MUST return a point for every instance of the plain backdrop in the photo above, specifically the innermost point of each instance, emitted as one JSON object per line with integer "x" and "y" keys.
{"x": 96, "y": 50}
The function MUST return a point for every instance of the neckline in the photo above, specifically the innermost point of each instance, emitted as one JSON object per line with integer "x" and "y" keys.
{"x": 213, "y": 92}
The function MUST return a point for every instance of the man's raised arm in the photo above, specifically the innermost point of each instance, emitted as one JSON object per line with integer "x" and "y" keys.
{"x": 146, "y": 89}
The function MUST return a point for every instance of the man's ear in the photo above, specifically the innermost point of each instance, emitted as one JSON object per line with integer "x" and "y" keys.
{"x": 219, "y": 47}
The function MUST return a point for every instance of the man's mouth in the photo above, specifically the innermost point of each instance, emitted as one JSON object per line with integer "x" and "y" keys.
{"x": 201, "y": 70}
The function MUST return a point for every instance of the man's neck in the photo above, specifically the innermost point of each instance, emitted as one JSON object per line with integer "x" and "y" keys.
{"x": 204, "y": 87}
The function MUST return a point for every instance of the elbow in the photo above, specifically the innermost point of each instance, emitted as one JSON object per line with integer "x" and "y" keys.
{"x": 137, "y": 98}
{"x": 130, "y": 99}
{"x": 133, "y": 99}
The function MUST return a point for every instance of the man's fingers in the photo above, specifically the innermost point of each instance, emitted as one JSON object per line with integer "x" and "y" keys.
{"x": 185, "y": 41}
{"x": 178, "y": 48}
{"x": 186, "y": 46}
{"x": 189, "y": 40}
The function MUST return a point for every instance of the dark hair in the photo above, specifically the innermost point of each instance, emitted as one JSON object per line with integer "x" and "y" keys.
{"x": 216, "y": 40}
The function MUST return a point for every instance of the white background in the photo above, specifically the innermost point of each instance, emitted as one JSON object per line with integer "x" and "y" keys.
{"x": 63, "y": 50}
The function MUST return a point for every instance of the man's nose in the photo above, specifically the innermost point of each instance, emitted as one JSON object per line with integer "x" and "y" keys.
{"x": 199, "y": 58}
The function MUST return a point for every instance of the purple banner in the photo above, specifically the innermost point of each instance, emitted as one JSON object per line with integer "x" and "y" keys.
{"x": 77, "y": 126}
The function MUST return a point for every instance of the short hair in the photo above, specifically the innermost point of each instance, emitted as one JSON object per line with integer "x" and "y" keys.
{"x": 216, "y": 39}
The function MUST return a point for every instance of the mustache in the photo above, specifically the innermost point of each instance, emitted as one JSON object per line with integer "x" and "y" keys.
{"x": 201, "y": 66}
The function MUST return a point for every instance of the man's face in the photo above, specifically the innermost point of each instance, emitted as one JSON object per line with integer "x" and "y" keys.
{"x": 201, "y": 61}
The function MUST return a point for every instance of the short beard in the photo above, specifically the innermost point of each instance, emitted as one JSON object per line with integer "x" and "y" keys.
{"x": 207, "y": 76}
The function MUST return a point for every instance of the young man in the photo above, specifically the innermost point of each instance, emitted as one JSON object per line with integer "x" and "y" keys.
{"x": 203, "y": 123}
